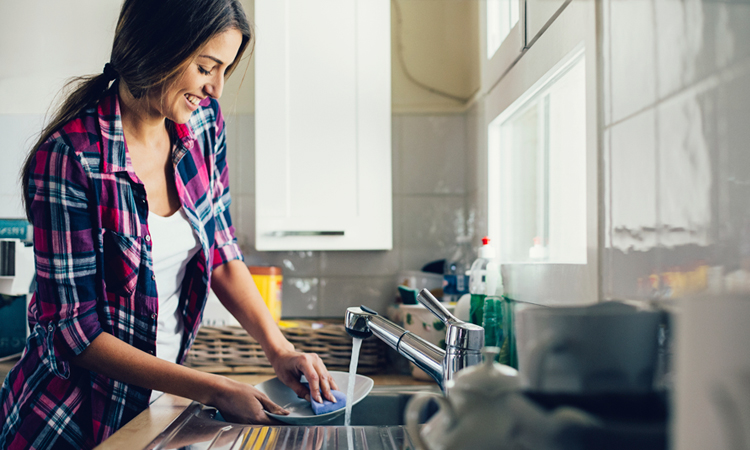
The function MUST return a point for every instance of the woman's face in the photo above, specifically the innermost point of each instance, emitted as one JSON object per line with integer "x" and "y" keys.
{"x": 203, "y": 77}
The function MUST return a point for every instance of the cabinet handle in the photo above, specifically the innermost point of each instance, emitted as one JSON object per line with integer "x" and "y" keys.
{"x": 304, "y": 233}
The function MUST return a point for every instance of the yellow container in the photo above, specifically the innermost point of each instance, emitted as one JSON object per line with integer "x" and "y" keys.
{"x": 269, "y": 281}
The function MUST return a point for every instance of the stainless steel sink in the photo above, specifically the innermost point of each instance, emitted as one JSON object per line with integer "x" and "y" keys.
{"x": 385, "y": 406}
{"x": 377, "y": 423}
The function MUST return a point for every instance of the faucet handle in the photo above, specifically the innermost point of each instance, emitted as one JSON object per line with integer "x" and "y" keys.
{"x": 458, "y": 334}
{"x": 435, "y": 307}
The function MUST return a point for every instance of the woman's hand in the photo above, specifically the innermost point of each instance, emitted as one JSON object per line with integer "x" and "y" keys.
{"x": 242, "y": 403}
{"x": 290, "y": 365}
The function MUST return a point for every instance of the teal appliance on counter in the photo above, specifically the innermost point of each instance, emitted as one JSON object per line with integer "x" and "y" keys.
{"x": 16, "y": 284}
{"x": 12, "y": 325}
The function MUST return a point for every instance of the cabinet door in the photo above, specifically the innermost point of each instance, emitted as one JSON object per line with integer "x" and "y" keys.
{"x": 323, "y": 125}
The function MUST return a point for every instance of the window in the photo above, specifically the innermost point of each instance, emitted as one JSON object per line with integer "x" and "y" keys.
{"x": 502, "y": 15}
{"x": 537, "y": 170}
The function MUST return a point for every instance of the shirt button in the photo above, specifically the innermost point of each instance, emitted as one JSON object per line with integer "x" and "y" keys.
{"x": 153, "y": 277}
{"x": 148, "y": 238}
{"x": 153, "y": 316}
{"x": 51, "y": 327}
{"x": 189, "y": 144}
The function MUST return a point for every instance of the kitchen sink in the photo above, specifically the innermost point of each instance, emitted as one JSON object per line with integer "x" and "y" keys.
{"x": 377, "y": 423}
{"x": 386, "y": 405}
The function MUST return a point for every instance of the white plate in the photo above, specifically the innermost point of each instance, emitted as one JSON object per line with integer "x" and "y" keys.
{"x": 300, "y": 411}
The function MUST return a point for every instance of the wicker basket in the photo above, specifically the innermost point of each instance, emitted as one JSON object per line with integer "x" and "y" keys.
{"x": 231, "y": 350}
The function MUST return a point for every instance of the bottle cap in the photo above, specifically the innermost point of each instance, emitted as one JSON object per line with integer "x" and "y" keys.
{"x": 486, "y": 251}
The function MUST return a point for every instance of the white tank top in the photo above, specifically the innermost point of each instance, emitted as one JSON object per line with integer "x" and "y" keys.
{"x": 173, "y": 244}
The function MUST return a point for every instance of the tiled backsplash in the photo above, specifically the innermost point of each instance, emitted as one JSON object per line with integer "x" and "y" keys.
{"x": 677, "y": 184}
{"x": 430, "y": 173}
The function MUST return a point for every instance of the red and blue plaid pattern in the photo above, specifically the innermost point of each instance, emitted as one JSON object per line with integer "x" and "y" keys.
{"x": 94, "y": 271}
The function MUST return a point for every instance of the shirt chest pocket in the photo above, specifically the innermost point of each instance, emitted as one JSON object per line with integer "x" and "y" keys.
{"x": 121, "y": 254}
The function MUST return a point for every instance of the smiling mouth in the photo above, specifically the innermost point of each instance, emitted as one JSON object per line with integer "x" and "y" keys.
{"x": 193, "y": 99}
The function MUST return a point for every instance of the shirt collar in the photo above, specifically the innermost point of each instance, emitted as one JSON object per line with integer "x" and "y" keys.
{"x": 115, "y": 156}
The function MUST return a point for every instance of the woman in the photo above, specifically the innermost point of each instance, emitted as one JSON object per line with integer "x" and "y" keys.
{"x": 127, "y": 189}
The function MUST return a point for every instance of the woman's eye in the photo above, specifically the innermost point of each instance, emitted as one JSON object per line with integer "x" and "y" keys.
{"x": 203, "y": 71}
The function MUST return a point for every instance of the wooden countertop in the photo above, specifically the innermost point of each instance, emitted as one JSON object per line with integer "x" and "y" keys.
{"x": 139, "y": 432}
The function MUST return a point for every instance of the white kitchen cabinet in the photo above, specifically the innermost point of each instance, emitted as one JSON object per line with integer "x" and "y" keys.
{"x": 323, "y": 125}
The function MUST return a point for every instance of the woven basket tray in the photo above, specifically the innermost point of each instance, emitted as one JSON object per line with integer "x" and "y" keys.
{"x": 230, "y": 349}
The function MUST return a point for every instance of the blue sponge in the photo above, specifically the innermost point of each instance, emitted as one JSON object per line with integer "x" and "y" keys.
{"x": 327, "y": 406}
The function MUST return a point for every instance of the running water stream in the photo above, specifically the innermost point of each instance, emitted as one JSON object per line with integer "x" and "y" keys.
{"x": 356, "y": 344}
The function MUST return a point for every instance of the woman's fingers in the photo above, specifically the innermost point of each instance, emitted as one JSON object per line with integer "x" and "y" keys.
{"x": 320, "y": 383}
{"x": 325, "y": 380}
{"x": 271, "y": 407}
{"x": 242, "y": 403}
{"x": 318, "y": 377}
{"x": 333, "y": 383}
{"x": 308, "y": 370}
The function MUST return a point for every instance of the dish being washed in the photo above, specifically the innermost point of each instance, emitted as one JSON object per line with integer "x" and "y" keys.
{"x": 300, "y": 411}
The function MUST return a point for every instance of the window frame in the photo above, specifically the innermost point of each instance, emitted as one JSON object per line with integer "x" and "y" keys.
{"x": 541, "y": 282}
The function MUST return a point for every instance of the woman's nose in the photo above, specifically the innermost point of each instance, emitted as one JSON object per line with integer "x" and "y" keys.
{"x": 214, "y": 87}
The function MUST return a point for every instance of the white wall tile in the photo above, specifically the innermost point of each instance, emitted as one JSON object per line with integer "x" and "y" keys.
{"x": 634, "y": 187}
{"x": 433, "y": 154}
{"x": 243, "y": 219}
{"x": 245, "y": 151}
{"x": 339, "y": 293}
{"x": 299, "y": 297}
{"x": 686, "y": 137}
{"x": 374, "y": 263}
{"x": 632, "y": 70}
{"x": 430, "y": 227}
{"x": 230, "y": 126}
{"x": 632, "y": 254}
{"x": 679, "y": 42}
{"x": 297, "y": 263}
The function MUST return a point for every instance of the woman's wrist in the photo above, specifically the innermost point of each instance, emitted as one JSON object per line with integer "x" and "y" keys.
{"x": 278, "y": 349}
{"x": 217, "y": 389}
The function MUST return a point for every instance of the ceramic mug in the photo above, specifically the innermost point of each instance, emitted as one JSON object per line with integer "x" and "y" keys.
{"x": 606, "y": 347}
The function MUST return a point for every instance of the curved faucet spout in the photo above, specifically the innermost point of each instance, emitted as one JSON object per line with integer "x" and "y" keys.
{"x": 363, "y": 323}
{"x": 464, "y": 341}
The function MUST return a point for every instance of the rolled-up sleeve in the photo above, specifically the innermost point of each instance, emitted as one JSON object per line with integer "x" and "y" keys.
{"x": 65, "y": 256}
{"x": 226, "y": 247}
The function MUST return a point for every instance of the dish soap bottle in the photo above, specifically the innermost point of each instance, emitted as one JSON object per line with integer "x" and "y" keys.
{"x": 484, "y": 278}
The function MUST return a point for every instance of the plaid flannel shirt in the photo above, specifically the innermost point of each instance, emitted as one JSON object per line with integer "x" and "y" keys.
{"x": 94, "y": 271}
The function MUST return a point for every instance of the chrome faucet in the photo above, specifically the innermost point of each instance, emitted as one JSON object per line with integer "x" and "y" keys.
{"x": 464, "y": 341}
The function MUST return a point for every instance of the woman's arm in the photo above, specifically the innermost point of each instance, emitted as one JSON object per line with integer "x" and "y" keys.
{"x": 238, "y": 402}
{"x": 236, "y": 289}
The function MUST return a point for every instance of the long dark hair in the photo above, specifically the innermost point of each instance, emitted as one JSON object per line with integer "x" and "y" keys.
{"x": 154, "y": 40}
